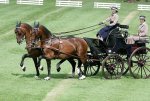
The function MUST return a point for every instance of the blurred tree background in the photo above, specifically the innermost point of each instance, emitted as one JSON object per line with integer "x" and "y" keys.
{"x": 136, "y": 0}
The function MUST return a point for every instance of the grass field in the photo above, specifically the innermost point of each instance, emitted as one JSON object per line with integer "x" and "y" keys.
{"x": 16, "y": 85}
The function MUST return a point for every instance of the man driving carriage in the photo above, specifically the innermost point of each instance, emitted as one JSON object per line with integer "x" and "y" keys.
{"x": 141, "y": 35}
{"x": 112, "y": 21}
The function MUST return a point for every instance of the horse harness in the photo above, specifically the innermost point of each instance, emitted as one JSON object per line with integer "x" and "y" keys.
{"x": 49, "y": 42}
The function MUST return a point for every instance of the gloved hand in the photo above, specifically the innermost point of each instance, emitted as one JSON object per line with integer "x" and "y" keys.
{"x": 101, "y": 23}
{"x": 106, "y": 24}
{"x": 97, "y": 35}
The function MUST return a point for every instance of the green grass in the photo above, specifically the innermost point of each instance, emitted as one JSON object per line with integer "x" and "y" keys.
{"x": 16, "y": 85}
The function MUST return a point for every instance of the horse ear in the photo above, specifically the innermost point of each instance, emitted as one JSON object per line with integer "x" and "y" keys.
{"x": 16, "y": 23}
{"x": 34, "y": 23}
{"x": 38, "y": 23}
{"x": 19, "y": 23}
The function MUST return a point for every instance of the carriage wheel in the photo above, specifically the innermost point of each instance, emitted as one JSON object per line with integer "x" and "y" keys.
{"x": 139, "y": 63}
{"x": 93, "y": 67}
{"x": 126, "y": 64}
{"x": 112, "y": 67}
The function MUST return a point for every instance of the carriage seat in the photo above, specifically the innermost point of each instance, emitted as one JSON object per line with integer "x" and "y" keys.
{"x": 124, "y": 26}
{"x": 144, "y": 40}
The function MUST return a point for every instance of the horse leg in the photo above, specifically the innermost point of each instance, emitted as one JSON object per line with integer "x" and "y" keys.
{"x": 36, "y": 67}
{"x": 40, "y": 67}
{"x": 58, "y": 65}
{"x": 22, "y": 61}
{"x": 48, "y": 61}
{"x": 79, "y": 71}
{"x": 48, "y": 65}
{"x": 73, "y": 64}
{"x": 85, "y": 67}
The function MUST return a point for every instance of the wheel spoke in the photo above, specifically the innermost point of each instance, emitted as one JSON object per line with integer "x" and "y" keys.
{"x": 147, "y": 68}
{"x": 93, "y": 68}
{"x": 147, "y": 64}
{"x": 109, "y": 60}
{"x": 136, "y": 57}
{"x": 135, "y": 69}
{"x": 144, "y": 71}
{"x": 141, "y": 73}
{"x": 113, "y": 60}
{"x": 120, "y": 67}
{"x": 87, "y": 71}
{"x": 117, "y": 70}
{"x": 135, "y": 65}
{"x": 146, "y": 58}
{"x": 138, "y": 71}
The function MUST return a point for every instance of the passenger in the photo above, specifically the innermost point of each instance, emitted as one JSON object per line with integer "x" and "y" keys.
{"x": 112, "y": 20}
{"x": 142, "y": 32}
{"x": 141, "y": 35}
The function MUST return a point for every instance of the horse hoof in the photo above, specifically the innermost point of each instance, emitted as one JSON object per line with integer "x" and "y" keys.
{"x": 58, "y": 69}
{"x": 47, "y": 78}
{"x": 23, "y": 68}
{"x": 36, "y": 77}
{"x": 82, "y": 77}
{"x": 41, "y": 68}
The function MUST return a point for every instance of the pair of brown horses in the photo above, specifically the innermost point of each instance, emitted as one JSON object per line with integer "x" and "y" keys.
{"x": 24, "y": 31}
{"x": 50, "y": 47}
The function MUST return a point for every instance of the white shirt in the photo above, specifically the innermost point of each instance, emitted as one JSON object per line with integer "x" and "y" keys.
{"x": 143, "y": 29}
{"x": 113, "y": 18}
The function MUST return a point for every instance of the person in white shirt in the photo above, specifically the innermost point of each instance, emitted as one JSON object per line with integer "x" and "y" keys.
{"x": 141, "y": 35}
{"x": 142, "y": 32}
{"x": 112, "y": 20}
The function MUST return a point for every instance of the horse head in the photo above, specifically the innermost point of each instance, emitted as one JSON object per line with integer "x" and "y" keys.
{"x": 21, "y": 30}
{"x": 40, "y": 32}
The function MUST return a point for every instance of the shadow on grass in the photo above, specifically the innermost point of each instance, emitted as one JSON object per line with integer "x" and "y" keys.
{"x": 55, "y": 76}
{"x": 101, "y": 76}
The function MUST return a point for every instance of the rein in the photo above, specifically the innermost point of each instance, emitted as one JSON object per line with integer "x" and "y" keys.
{"x": 81, "y": 32}
{"x": 58, "y": 50}
{"x": 77, "y": 29}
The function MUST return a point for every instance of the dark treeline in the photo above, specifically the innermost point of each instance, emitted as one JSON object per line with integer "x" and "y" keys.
{"x": 136, "y": 0}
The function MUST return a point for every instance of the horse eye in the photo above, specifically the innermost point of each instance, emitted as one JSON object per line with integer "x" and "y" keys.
{"x": 19, "y": 34}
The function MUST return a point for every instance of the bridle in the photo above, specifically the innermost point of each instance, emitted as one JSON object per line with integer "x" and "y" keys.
{"x": 17, "y": 28}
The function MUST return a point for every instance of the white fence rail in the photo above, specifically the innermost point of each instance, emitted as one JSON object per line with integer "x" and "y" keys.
{"x": 68, "y": 3}
{"x": 106, "y": 5}
{"x": 4, "y": 1}
{"x": 30, "y": 2}
{"x": 143, "y": 7}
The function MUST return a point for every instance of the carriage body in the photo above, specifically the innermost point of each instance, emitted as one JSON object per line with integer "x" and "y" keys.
{"x": 112, "y": 54}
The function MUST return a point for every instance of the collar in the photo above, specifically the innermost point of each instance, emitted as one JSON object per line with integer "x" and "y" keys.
{"x": 143, "y": 23}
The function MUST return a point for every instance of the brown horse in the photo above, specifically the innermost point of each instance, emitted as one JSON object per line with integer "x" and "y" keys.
{"x": 23, "y": 31}
{"x": 58, "y": 48}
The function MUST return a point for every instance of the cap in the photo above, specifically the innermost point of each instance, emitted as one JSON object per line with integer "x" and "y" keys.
{"x": 142, "y": 17}
{"x": 114, "y": 8}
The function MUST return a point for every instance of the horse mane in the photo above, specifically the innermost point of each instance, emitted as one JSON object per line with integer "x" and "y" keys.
{"x": 27, "y": 25}
{"x": 46, "y": 31}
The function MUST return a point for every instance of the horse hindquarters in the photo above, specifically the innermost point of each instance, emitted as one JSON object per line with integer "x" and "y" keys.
{"x": 82, "y": 53}
{"x": 82, "y": 48}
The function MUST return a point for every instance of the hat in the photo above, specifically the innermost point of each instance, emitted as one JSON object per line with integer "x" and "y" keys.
{"x": 114, "y": 8}
{"x": 142, "y": 17}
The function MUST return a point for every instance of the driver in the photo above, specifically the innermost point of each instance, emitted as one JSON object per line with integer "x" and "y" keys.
{"x": 112, "y": 20}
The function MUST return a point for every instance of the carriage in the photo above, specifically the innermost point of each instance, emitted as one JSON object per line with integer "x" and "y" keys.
{"x": 111, "y": 55}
